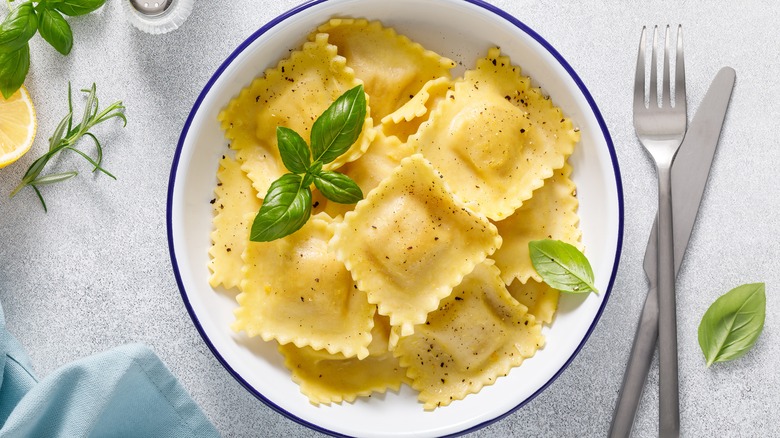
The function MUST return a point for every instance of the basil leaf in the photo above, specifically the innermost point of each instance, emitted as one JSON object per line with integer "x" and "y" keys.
{"x": 73, "y": 8}
{"x": 18, "y": 27}
{"x": 339, "y": 126}
{"x": 732, "y": 324}
{"x": 562, "y": 266}
{"x": 338, "y": 187}
{"x": 13, "y": 69}
{"x": 55, "y": 30}
{"x": 293, "y": 149}
{"x": 285, "y": 209}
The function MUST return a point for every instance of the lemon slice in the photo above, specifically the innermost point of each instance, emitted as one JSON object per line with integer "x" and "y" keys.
{"x": 17, "y": 126}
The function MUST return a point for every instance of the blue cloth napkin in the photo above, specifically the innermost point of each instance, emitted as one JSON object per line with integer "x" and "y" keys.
{"x": 126, "y": 391}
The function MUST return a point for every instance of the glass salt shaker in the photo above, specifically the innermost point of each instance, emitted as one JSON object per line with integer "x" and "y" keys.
{"x": 157, "y": 16}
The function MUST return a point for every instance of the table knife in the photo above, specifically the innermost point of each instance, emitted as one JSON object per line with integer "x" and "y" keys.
{"x": 690, "y": 170}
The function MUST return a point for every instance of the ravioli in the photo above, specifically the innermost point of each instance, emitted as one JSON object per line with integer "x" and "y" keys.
{"x": 294, "y": 290}
{"x": 478, "y": 334}
{"x": 550, "y": 214}
{"x": 410, "y": 242}
{"x": 495, "y": 138}
{"x": 235, "y": 205}
{"x": 392, "y": 67}
{"x": 293, "y": 95}
{"x": 332, "y": 378}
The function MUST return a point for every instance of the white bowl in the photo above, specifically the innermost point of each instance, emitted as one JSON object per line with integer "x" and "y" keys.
{"x": 462, "y": 30}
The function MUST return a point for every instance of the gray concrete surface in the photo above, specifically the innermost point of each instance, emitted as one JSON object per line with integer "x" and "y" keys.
{"x": 94, "y": 272}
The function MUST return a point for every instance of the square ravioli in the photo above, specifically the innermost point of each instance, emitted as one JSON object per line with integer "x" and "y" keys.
{"x": 410, "y": 242}
{"x": 294, "y": 290}
{"x": 479, "y": 333}
{"x": 332, "y": 378}
{"x": 495, "y": 138}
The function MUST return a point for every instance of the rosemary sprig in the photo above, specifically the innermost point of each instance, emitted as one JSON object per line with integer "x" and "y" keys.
{"x": 66, "y": 136}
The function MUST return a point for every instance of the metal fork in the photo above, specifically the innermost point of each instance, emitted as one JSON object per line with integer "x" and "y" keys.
{"x": 661, "y": 127}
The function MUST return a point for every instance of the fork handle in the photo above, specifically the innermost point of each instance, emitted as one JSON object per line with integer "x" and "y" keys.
{"x": 669, "y": 402}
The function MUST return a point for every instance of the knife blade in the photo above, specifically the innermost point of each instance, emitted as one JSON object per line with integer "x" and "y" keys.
{"x": 690, "y": 170}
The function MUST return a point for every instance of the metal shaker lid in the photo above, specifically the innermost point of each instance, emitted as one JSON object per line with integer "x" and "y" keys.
{"x": 157, "y": 16}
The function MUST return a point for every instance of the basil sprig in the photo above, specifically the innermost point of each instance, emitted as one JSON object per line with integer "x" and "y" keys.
{"x": 732, "y": 324}
{"x": 287, "y": 205}
{"x": 21, "y": 24}
{"x": 562, "y": 266}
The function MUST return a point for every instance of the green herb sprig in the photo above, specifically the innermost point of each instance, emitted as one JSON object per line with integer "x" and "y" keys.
{"x": 732, "y": 324}
{"x": 66, "y": 136}
{"x": 287, "y": 205}
{"x": 562, "y": 266}
{"x": 21, "y": 24}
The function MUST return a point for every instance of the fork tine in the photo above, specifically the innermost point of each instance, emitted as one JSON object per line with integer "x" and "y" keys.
{"x": 653, "y": 101}
{"x": 667, "y": 83}
{"x": 679, "y": 73}
{"x": 639, "y": 76}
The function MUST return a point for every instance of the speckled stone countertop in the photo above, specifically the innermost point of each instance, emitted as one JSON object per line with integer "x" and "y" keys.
{"x": 95, "y": 271}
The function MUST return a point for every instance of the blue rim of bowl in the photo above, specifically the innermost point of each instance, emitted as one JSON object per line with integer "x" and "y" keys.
{"x": 283, "y": 17}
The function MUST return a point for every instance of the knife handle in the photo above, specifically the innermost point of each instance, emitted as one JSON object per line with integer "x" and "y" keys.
{"x": 639, "y": 361}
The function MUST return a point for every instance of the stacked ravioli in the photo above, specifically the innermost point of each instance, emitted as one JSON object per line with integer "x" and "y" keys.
{"x": 427, "y": 281}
